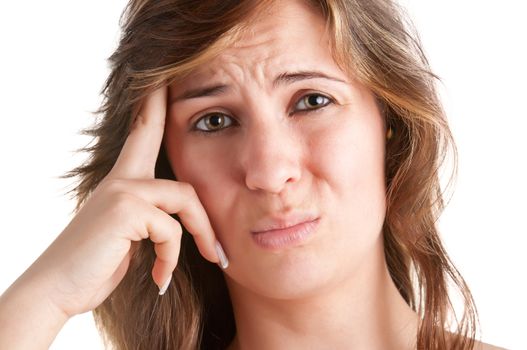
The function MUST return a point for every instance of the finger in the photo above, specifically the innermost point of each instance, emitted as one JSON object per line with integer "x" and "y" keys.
{"x": 165, "y": 233}
{"x": 167, "y": 252}
{"x": 138, "y": 156}
{"x": 179, "y": 198}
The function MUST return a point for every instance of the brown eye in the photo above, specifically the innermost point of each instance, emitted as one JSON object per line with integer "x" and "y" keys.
{"x": 213, "y": 122}
{"x": 312, "y": 101}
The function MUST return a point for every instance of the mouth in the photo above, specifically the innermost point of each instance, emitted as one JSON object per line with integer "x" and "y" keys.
{"x": 286, "y": 236}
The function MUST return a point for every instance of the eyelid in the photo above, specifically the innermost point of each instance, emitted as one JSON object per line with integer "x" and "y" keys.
{"x": 299, "y": 96}
{"x": 305, "y": 93}
{"x": 202, "y": 116}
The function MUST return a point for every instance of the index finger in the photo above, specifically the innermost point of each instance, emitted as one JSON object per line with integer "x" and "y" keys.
{"x": 141, "y": 148}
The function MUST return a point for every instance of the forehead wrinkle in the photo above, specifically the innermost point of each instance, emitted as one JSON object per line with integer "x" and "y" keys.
{"x": 262, "y": 52}
{"x": 242, "y": 66}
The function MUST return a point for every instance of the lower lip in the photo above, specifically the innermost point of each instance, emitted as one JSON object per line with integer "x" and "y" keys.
{"x": 287, "y": 237}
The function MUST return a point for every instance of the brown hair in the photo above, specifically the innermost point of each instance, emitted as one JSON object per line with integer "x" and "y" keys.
{"x": 164, "y": 40}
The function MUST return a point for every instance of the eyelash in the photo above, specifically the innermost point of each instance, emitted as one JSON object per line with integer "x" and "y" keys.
{"x": 327, "y": 102}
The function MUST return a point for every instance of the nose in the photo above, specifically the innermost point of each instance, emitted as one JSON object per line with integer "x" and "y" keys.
{"x": 271, "y": 158}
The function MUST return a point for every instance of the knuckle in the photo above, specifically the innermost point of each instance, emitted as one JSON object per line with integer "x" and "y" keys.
{"x": 178, "y": 230}
{"x": 123, "y": 203}
{"x": 113, "y": 185}
{"x": 139, "y": 120}
{"x": 187, "y": 190}
{"x": 143, "y": 120}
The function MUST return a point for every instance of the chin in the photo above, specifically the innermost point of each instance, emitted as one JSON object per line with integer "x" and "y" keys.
{"x": 330, "y": 259}
{"x": 293, "y": 274}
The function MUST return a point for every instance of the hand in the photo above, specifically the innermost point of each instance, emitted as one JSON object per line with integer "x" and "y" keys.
{"x": 91, "y": 256}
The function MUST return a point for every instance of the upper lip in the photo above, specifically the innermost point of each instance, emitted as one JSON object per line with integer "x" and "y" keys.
{"x": 282, "y": 221}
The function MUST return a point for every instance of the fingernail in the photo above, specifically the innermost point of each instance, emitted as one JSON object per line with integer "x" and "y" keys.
{"x": 224, "y": 262}
{"x": 163, "y": 289}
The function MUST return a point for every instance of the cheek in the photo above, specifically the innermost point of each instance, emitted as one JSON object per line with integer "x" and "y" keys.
{"x": 206, "y": 169}
{"x": 343, "y": 166}
{"x": 191, "y": 157}
{"x": 351, "y": 155}
{"x": 349, "y": 161}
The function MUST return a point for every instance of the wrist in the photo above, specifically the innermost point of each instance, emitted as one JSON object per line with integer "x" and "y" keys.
{"x": 26, "y": 309}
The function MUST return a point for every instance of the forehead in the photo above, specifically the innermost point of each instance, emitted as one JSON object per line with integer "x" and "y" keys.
{"x": 289, "y": 36}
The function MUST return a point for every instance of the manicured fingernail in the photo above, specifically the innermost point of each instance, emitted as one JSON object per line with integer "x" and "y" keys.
{"x": 163, "y": 289}
{"x": 224, "y": 262}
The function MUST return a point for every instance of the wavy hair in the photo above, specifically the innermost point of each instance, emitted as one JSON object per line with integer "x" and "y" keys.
{"x": 163, "y": 41}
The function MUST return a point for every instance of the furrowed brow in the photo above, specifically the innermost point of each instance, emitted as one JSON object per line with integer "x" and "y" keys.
{"x": 204, "y": 91}
{"x": 291, "y": 77}
{"x": 281, "y": 79}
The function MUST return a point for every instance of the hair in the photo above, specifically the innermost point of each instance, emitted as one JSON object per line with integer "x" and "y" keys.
{"x": 163, "y": 41}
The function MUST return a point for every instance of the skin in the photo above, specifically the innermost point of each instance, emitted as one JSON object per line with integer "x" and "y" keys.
{"x": 87, "y": 261}
{"x": 331, "y": 292}
{"x": 334, "y": 290}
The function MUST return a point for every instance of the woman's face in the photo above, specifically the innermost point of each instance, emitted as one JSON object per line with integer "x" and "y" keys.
{"x": 290, "y": 138}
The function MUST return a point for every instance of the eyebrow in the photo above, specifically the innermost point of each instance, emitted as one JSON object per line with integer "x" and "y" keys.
{"x": 281, "y": 79}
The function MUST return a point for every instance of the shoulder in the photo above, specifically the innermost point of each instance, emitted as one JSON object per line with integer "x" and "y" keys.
{"x": 484, "y": 346}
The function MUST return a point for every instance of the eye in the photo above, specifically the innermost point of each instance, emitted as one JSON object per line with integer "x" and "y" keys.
{"x": 312, "y": 101}
{"x": 213, "y": 122}
{"x": 216, "y": 121}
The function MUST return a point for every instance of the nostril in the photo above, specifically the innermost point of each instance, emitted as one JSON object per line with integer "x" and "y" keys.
{"x": 271, "y": 177}
{"x": 271, "y": 158}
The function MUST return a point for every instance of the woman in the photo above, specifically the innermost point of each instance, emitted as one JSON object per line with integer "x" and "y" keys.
{"x": 298, "y": 143}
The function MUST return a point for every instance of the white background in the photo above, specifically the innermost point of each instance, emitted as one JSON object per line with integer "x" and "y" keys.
{"x": 53, "y": 63}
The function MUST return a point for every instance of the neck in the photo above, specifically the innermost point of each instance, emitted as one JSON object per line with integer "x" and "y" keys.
{"x": 364, "y": 312}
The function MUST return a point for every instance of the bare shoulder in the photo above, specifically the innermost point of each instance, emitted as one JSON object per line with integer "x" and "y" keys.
{"x": 484, "y": 346}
